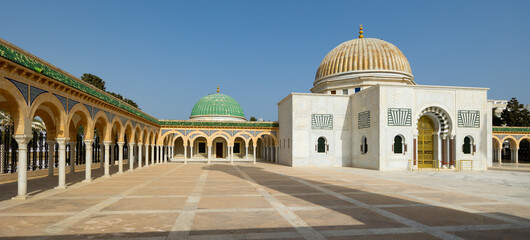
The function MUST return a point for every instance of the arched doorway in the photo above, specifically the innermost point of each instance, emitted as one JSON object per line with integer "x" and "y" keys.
{"x": 508, "y": 147}
{"x": 496, "y": 150}
{"x": 524, "y": 151}
{"x": 425, "y": 142}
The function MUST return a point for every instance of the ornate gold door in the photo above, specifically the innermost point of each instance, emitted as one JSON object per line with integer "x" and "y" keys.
{"x": 425, "y": 142}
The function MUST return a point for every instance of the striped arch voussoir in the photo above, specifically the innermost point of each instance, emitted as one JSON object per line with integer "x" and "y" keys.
{"x": 443, "y": 119}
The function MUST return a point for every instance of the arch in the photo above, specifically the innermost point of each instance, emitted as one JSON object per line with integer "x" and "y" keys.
{"x": 496, "y": 142}
{"x": 524, "y": 150}
{"x": 78, "y": 116}
{"x": 50, "y": 110}
{"x": 117, "y": 128}
{"x": 274, "y": 139}
{"x": 219, "y": 148}
{"x": 222, "y": 134}
{"x": 178, "y": 146}
{"x": 239, "y": 146}
{"x": 443, "y": 119}
{"x": 101, "y": 122}
{"x": 12, "y": 101}
{"x": 242, "y": 135}
{"x": 128, "y": 130}
{"x": 511, "y": 139}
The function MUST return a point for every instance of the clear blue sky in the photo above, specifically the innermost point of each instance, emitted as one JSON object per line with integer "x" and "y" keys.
{"x": 165, "y": 55}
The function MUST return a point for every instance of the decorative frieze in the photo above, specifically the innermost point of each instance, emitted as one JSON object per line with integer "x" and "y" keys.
{"x": 468, "y": 118}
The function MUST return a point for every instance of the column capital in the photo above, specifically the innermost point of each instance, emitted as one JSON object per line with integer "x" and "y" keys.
{"x": 131, "y": 144}
{"x": 140, "y": 144}
{"x": 62, "y": 140}
{"x": 107, "y": 143}
{"x": 22, "y": 139}
{"x": 120, "y": 144}
{"x": 88, "y": 141}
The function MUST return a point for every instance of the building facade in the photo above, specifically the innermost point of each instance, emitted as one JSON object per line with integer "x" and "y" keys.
{"x": 365, "y": 110}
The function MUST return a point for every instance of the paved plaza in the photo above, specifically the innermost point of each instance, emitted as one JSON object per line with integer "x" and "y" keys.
{"x": 266, "y": 201}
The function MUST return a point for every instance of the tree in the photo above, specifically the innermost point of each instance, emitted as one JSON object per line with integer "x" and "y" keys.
{"x": 94, "y": 80}
{"x": 497, "y": 121}
{"x": 515, "y": 115}
{"x": 253, "y": 119}
{"x": 99, "y": 83}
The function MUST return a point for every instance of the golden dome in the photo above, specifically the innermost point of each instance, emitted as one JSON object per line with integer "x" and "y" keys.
{"x": 363, "y": 55}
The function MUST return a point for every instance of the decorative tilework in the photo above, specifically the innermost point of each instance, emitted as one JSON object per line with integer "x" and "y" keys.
{"x": 189, "y": 131}
{"x": 364, "y": 119}
{"x": 322, "y": 121}
{"x": 63, "y": 101}
{"x": 274, "y": 133}
{"x": 96, "y": 110}
{"x": 206, "y": 131}
{"x": 165, "y": 131}
{"x": 256, "y": 133}
{"x": 36, "y": 66}
{"x": 34, "y": 93}
{"x": 217, "y": 124}
{"x": 183, "y": 132}
{"x": 22, "y": 87}
{"x": 468, "y": 118}
{"x": 110, "y": 116}
{"x": 123, "y": 120}
{"x": 71, "y": 104}
{"x": 89, "y": 108}
{"x": 512, "y": 129}
{"x": 399, "y": 117}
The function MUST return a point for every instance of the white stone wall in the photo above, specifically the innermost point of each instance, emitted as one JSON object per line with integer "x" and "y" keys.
{"x": 366, "y": 100}
{"x": 285, "y": 120}
{"x": 304, "y": 138}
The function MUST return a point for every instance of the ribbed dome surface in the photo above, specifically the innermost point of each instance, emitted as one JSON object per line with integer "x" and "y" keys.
{"x": 217, "y": 104}
{"x": 363, "y": 54}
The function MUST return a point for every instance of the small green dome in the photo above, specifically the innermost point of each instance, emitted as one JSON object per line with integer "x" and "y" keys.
{"x": 217, "y": 105}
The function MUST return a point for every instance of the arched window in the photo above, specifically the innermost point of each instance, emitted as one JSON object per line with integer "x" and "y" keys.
{"x": 321, "y": 145}
{"x": 466, "y": 148}
{"x": 364, "y": 145}
{"x": 398, "y": 144}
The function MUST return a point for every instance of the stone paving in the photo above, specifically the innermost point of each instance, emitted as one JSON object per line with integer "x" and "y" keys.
{"x": 266, "y": 201}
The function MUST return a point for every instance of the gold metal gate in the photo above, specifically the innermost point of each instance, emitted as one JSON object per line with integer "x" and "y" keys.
{"x": 425, "y": 143}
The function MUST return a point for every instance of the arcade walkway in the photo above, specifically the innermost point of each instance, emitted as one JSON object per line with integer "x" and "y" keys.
{"x": 258, "y": 201}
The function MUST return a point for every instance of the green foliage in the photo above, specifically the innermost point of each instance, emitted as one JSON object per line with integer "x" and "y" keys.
{"x": 497, "y": 121}
{"x": 94, "y": 80}
{"x": 515, "y": 115}
{"x": 253, "y": 119}
{"x": 99, "y": 83}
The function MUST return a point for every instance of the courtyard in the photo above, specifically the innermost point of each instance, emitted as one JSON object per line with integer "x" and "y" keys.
{"x": 267, "y": 201}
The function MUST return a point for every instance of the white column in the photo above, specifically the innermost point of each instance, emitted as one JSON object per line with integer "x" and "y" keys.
{"x": 102, "y": 156}
{"x": 277, "y": 154}
{"x": 191, "y": 152}
{"x": 516, "y": 152}
{"x": 107, "y": 157}
{"x": 147, "y": 155}
{"x": 159, "y": 156}
{"x": 167, "y": 154}
{"x": 22, "y": 170}
{"x": 140, "y": 156}
{"x": 88, "y": 162}
{"x": 499, "y": 155}
{"x": 152, "y": 154}
{"x": 172, "y": 152}
{"x": 73, "y": 152}
{"x": 254, "y": 153}
{"x": 185, "y": 153}
{"x": 231, "y": 154}
{"x": 62, "y": 162}
{"x": 131, "y": 156}
{"x": 120, "y": 157}
{"x": 246, "y": 152}
{"x": 209, "y": 154}
{"x": 51, "y": 156}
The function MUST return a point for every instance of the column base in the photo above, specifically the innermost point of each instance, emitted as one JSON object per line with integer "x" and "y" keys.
{"x": 87, "y": 180}
{"x": 20, "y": 197}
{"x": 60, "y": 187}
{"x": 119, "y": 173}
{"x": 106, "y": 176}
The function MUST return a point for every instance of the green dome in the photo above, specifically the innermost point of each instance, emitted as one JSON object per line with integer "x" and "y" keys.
{"x": 217, "y": 104}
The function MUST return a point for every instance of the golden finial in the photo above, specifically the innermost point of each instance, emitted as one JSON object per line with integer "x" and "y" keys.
{"x": 361, "y": 31}
{"x": 217, "y": 88}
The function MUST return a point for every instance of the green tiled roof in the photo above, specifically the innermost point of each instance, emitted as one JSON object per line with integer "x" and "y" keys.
{"x": 512, "y": 129}
{"x": 187, "y": 123}
{"x": 36, "y": 66}
{"x": 217, "y": 104}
